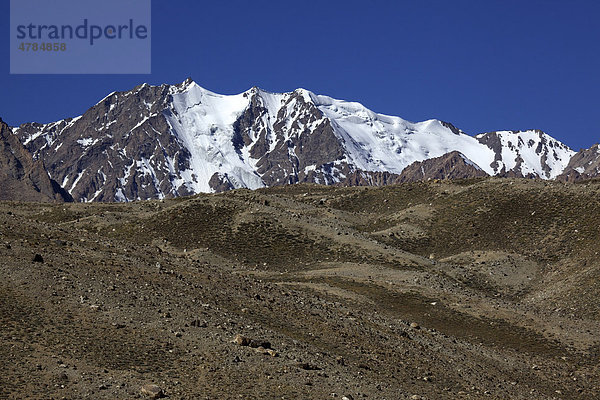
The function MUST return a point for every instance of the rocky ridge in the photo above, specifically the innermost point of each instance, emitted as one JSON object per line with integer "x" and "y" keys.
{"x": 22, "y": 178}
{"x": 157, "y": 142}
{"x": 453, "y": 165}
{"x": 583, "y": 165}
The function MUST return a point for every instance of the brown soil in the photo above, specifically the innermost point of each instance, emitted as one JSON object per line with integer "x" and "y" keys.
{"x": 472, "y": 289}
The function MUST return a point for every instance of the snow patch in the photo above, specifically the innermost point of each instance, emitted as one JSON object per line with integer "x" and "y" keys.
{"x": 87, "y": 142}
{"x": 76, "y": 181}
{"x": 377, "y": 142}
{"x": 203, "y": 122}
{"x": 469, "y": 162}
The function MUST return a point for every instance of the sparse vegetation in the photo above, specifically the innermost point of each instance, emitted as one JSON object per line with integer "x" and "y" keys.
{"x": 484, "y": 288}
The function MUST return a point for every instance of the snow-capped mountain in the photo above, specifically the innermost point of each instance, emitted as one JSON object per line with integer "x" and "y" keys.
{"x": 530, "y": 154}
{"x": 173, "y": 140}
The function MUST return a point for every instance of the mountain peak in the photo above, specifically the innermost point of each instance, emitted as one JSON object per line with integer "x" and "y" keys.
{"x": 453, "y": 165}
{"x": 184, "y": 86}
{"x": 514, "y": 151}
{"x": 175, "y": 140}
{"x": 258, "y": 90}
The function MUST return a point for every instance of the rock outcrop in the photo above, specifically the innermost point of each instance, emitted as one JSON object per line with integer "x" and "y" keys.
{"x": 453, "y": 165}
{"x": 21, "y": 177}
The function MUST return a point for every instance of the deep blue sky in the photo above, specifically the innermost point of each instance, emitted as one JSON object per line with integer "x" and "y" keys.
{"x": 482, "y": 65}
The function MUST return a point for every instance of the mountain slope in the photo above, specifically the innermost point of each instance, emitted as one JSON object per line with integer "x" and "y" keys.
{"x": 22, "y": 178}
{"x": 583, "y": 165}
{"x": 169, "y": 141}
{"x": 453, "y": 165}
{"x": 486, "y": 289}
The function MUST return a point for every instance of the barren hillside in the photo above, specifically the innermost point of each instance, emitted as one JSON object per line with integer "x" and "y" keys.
{"x": 474, "y": 289}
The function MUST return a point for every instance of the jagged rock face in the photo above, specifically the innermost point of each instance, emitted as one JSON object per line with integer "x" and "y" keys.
{"x": 453, "y": 165}
{"x": 174, "y": 140}
{"x": 584, "y": 165}
{"x": 454, "y": 129}
{"x": 220, "y": 183}
{"x": 22, "y": 178}
{"x": 136, "y": 145}
{"x": 364, "y": 178}
{"x": 302, "y": 137}
{"x": 119, "y": 149}
{"x": 512, "y": 148}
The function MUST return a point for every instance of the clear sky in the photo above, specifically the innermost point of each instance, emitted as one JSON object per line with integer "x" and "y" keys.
{"x": 483, "y": 65}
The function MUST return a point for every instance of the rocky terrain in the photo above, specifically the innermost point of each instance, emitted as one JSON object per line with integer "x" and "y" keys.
{"x": 453, "y": 165}
{"x": 22, "y": 178}
{"x": 583, "y": 165}
{"x": 477, "y": 289}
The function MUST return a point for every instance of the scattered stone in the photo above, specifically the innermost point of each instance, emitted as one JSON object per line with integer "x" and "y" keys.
{"x": 414, "y": 325}
{"x": 347, "y": 397}
{"x": 307, "y": 366}
{"x": 38, "y": 258}
{"x": 270, "y": 352}
{"x": 259, "y": 343}
{"x": 198, "y": 324}
{"x": 152, "y": 391}
{"x": 241, "y": 340}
